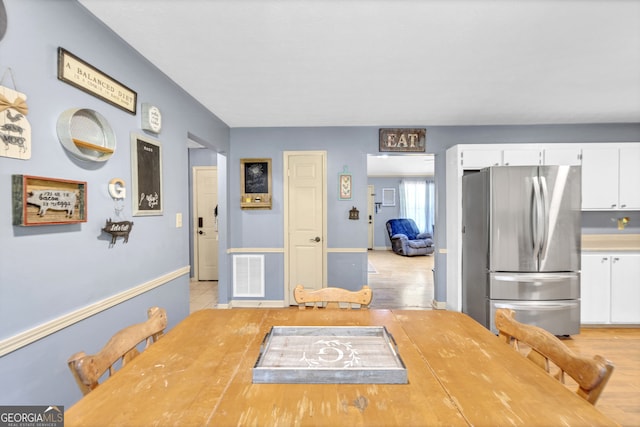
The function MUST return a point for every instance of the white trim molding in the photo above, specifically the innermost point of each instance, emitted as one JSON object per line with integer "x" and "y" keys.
{"x": 254, "y": 250}
{"x": 27, "y": 337}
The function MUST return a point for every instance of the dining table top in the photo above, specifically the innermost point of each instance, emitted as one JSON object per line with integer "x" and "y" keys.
{"x": 458, "y": 372}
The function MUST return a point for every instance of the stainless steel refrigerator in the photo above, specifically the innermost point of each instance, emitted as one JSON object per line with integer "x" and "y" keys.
{"x": 521, "y": 243}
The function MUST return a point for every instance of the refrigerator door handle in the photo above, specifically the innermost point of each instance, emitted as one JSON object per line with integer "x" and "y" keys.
{"x": 544, "y": 235}
{"x": 536, "y": 215}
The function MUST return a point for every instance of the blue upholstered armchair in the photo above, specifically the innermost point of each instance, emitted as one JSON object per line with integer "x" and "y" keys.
{"x": 407, "y": 240}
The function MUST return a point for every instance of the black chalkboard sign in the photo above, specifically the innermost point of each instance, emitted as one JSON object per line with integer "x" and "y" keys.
{"x": 255, "y": 183}
{"x": 146, "y": 163}
{"x": 256, "y": 177}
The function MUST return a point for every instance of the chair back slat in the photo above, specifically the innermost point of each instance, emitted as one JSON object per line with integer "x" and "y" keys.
{"x": 591, "y": 374}
{"x": 88, "y": 369}
{"x": 332, "y": 297}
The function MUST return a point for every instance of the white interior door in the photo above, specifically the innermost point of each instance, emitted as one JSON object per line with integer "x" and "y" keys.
{"x": 305, "y": 221}
{"x": 206, "y": 223}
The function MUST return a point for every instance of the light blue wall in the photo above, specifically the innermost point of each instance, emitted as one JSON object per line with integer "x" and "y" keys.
{"x": 50, "y": 271}
{"x": 345, "y": 147}
{"x": 385, "y": 213}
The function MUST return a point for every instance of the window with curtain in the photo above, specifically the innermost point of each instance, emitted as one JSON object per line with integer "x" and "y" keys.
{"x": 417, "y": 201}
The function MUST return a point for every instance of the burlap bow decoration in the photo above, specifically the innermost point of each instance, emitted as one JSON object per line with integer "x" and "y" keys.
{"x": 20, "y": 105}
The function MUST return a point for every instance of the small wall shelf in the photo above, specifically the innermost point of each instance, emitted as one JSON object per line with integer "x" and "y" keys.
{"x": 86, "y": 134}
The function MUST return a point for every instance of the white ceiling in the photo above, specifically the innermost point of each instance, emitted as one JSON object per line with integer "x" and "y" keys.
{"x": 392, "y": 62}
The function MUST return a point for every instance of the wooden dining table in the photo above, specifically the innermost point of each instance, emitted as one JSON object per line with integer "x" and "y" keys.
{"x": 459, "y": 373}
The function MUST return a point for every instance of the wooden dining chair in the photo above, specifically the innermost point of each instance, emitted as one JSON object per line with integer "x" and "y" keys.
{"x": 547, "y": 351}
{"x": 332, "y": 297}
{"x": 88, "y": 369}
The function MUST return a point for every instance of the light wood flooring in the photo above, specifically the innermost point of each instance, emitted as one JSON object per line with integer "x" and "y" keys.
{"x": 400, "y": 281}
{"x": 407, "y": 283}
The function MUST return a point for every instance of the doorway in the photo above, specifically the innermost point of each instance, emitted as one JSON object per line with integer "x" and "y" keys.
{"x": 205, "y": 201}
{"x": 305, "y": 214}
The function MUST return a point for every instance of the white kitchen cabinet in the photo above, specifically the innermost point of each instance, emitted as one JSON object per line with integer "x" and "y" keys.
{"x": 625, "y": 288}
{"x": 611, "y": 178}
{"x": 563, "y": 156}
{"x": 610, "y": 289}
{"x": 478, "y": 159}
{"x": 600, "y": 178}
{"x": 629, "y": 177}
{"x": 521, "y": 157}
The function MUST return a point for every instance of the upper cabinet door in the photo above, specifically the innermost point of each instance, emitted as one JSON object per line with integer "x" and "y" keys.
{"x": 522, "y": 157}
{"x": 600, "y": 178}
{"x": 630, "y": 178}
{"x": 562, "y": 156}
{"x": 478, "y": 159}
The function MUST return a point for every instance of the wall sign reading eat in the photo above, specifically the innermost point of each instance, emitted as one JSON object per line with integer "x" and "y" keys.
{"x": 403, "y": 140}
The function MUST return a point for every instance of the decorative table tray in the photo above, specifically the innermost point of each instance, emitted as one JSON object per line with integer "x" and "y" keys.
{"x": 323, "y": 355}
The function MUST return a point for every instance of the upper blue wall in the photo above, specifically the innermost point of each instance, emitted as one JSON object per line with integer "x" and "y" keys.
{"x": 50, "y": 271}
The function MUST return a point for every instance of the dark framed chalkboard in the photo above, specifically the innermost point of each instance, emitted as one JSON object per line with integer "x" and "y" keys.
{"x": 255, "y": 183}
{"x": 146, "y": 172}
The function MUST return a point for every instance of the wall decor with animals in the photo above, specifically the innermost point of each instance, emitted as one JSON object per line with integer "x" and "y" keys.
{"x": 45, "y": 201}
{"x": 15, "y": 130}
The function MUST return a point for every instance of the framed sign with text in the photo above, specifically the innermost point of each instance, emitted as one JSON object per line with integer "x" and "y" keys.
{"x": 403, "y": 140}
{"x": 76, "y": 72}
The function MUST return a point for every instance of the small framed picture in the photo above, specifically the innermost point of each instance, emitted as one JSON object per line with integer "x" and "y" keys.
{"x": 344, "y": 182}
{"x": 388, "y": 197}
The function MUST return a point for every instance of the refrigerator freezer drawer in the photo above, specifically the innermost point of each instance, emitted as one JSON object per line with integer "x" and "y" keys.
{"x": 534, "y": 286}
{"x": 557, "y": 317}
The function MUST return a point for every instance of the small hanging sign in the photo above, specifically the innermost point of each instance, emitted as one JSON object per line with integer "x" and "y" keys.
{"x": 15, "y": 130}
{"x": 118, "y": 229}
{"x": 403, "y": 140}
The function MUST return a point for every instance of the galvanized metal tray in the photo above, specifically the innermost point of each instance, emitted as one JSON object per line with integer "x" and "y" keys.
{"x": 323, "y": 355}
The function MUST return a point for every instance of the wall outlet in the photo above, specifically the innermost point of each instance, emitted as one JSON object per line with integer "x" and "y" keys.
{"x": 178, "y": 220}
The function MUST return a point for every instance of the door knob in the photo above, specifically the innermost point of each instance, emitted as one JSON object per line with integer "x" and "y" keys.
{"x": 317, "y": 239}
{"x": 200, "y": 232}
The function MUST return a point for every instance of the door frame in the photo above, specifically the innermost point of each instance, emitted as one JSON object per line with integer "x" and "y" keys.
{"x": 371, "y": 215}
{"x": 285, "y": 157}
{"x": 194, "y": 220}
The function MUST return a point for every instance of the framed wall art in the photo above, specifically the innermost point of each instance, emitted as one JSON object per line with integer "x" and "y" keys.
{"x": 344, "y": 183}
{"x": 388, "y": 197}
{"x": 78, "y": 73}
{"x": 255, "y": 184}
{"x": 403, "y": 140}
{"x": 146, "y": 173}
{"x": 45, "y": 201}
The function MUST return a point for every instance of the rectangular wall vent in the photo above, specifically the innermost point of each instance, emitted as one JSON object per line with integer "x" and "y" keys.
{"x": 248, "y": 275}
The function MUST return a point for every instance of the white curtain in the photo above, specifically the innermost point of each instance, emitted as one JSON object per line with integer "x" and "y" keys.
{"x": 417, "y": 202}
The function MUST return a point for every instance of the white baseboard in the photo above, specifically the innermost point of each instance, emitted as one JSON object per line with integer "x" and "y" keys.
{"x": 38, "y": 332}
{"x": 439, "y": 305}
